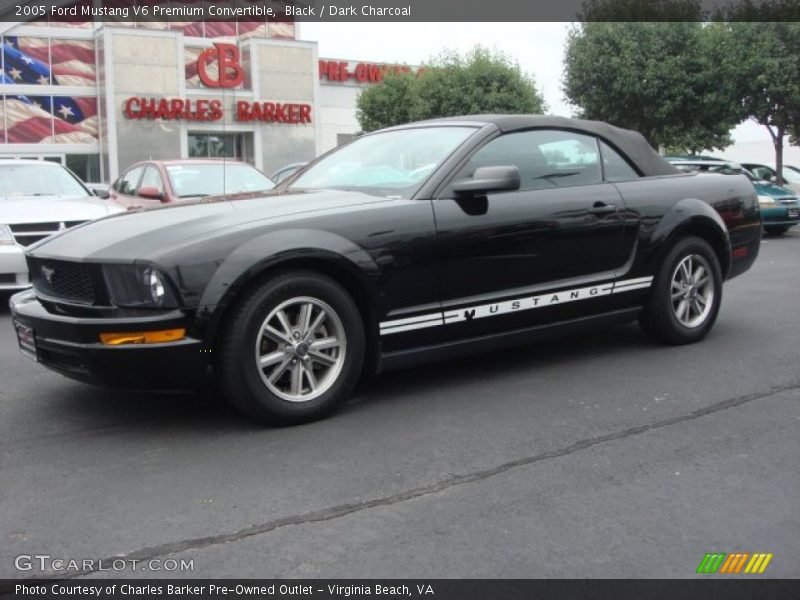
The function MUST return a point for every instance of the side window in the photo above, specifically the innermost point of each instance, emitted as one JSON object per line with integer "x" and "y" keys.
{"x": 764, "y": 173}
{"x": 152, "y": 178}
{"x": 615, "y": 167}
{"x": 546, "y": 158}
{"x": 127, "y": 184}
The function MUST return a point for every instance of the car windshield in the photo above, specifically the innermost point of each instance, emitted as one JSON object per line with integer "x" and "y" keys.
{"x": 39, "y": 180}
{"x": 392, "y": 163}
{"x": 192, "y": 180}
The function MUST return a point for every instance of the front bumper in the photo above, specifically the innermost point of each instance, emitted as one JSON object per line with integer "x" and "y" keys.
{"x": 13, "y": 268}
{"x": 781, "y": 215}
{"x": 71, "y": 346}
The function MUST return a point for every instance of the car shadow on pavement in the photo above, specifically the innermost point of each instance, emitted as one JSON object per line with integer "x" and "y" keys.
{"x": 479, "y": 368}
{"x": 101, "y": 409}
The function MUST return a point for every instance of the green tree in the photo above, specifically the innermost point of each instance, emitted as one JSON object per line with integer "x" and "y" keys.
{"x": 391, "y": 102}
{"x": 639, "y": 10}
{"x": 658, "y": 78}
{"x": 481, "y": 81}
{"x": 765, "y": 59}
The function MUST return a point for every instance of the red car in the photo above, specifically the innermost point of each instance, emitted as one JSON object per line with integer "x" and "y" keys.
{"x": 155, "y": 182}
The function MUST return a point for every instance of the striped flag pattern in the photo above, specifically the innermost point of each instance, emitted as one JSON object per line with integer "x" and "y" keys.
{"x": 48, "y": 119}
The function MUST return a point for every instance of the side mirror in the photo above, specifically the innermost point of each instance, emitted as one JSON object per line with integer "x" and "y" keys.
{"x": 489, "y": 179}
{"x": 151, "y": 192}
{"x": 100, "y": 191}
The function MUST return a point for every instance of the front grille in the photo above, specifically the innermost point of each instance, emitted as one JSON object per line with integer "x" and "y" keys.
{"x": 788, "y": 200}
{"x": 63, "y": 280}
{"x": 26, "y": 234}
{"x": 8, "y": 278}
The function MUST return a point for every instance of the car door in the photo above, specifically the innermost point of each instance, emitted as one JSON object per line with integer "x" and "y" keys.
{"x": 544, "y": 252}
{"x": 123, "y": 192}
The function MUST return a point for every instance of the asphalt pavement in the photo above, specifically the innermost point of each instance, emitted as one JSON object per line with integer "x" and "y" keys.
{"x": 601, "y": 455}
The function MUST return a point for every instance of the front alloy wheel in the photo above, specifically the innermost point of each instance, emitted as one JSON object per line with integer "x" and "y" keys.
{"x": 292, "y": 348}
{"x": 300, "y": 349}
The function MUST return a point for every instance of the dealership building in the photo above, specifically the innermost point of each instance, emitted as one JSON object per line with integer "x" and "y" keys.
{"x": 99, "y": 97}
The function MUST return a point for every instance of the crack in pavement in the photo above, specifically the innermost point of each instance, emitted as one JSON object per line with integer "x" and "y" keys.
{"x": 335, "y": 512}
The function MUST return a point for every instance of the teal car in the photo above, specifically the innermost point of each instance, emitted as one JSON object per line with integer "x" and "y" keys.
{"x": 780, "y": 207}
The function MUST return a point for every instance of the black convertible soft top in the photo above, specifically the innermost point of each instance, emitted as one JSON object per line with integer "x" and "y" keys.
{"x": 631, "y": 143}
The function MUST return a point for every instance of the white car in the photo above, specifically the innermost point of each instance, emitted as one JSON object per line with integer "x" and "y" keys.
{"x": 39, "y": 198}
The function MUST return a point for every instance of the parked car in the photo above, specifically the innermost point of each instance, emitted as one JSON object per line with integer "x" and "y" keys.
{"x": 37, "y": 199}
{"x": 155, "y": 182}
{"x": 791, "y": 177}
{"x": 780, "y": 207}
{"x": 425, "y": 241}
{"x": 287, "y": 171}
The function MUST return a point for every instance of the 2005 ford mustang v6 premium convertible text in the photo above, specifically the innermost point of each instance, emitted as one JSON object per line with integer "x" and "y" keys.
{"x": 424, "y": 241}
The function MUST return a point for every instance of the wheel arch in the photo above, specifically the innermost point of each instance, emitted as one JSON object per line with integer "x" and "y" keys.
{"x": 692, "y": 217}
{"x": 333, "y": 256}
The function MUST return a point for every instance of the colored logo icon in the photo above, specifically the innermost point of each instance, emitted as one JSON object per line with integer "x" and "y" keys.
{"x": 734, "y": 563}
{"x": 229, "y": 72}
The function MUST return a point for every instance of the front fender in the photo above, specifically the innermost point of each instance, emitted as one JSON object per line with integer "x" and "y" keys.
{"x": 272, "y": 248}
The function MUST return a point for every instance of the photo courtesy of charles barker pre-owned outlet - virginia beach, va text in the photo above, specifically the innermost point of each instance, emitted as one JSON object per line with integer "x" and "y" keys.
{"x": 427, "y": 299}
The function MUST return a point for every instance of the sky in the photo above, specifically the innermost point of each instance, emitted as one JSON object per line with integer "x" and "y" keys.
{"x": 537, "y": 47}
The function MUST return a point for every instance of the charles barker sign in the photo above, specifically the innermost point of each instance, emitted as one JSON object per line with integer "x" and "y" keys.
{"x": 229, "y": 74}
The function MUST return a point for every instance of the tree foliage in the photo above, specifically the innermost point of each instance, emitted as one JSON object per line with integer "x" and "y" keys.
{"x": 689, "y": 10}
{"x": 657, "y": 78}
{"x": 763, "y": 64}
{"x": 771, "y": 11}
{"x": 391, "y": 102}
{"x": 482, "y": 81}
{"x": 641, "y": 10}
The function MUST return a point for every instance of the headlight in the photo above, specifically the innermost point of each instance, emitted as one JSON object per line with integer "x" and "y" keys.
{"x": 766, "y": 201}
{"x": 6, "y": 237}
{"x": 138, "y": 286}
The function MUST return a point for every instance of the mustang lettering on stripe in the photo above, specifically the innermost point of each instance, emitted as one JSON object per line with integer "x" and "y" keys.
{"x": 505, "y": 307}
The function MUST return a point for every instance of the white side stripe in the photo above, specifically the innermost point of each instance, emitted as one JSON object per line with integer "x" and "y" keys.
{"x": 509, "y": 306}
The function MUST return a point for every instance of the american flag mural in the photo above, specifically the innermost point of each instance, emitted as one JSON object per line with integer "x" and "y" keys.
{"x": 41, "y": 61}
{"x": 47, "y": 118}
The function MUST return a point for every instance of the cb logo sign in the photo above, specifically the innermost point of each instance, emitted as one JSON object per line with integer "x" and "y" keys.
{"x": 230, "y": 72}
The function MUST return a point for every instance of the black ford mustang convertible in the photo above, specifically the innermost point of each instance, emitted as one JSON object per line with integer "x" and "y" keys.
{"x": 425, "y": 241}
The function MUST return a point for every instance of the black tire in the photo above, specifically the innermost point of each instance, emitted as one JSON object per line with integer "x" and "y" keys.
{"x": 659, "y": 319}
{"x": 237, "y": 374}
{"x": 775, "y": 230}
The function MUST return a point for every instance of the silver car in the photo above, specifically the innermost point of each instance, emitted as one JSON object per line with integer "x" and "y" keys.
{"x": 37, "y": 199}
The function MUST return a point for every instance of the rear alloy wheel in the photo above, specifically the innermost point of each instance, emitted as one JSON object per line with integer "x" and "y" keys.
{"x": 692, "y": 291}
{"x": 686, "y": 294}
{"x": 292, "y": 349}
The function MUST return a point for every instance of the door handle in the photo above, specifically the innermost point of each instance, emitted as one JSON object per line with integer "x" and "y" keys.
{"x": 601, "y": 208}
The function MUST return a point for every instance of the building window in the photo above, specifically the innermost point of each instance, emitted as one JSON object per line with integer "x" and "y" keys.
{"x": 221, "y": 145}
{"x": 85, "y": 166}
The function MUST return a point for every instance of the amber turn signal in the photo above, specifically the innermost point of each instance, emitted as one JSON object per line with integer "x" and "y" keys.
{"x": 143, "y": 337}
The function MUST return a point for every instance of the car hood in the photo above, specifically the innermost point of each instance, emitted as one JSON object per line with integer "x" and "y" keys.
{"x": 47, "y": 209}
{"x": 146, "y": 233}
{"x": 765, "y": 188}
